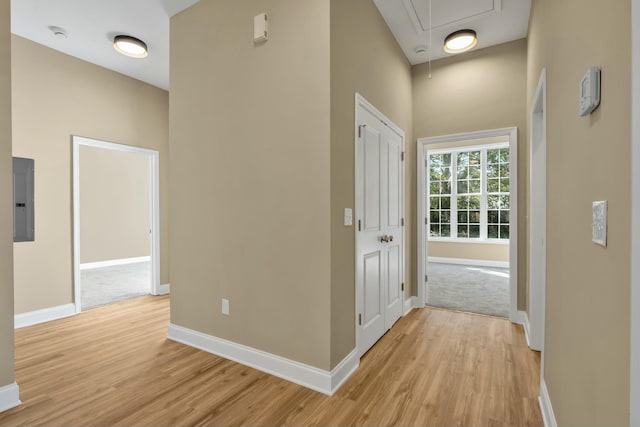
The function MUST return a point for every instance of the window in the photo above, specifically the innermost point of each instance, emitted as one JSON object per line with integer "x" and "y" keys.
{"x": 468, "y": 193}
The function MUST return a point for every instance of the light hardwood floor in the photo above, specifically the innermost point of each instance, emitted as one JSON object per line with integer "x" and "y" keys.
{"x": 113, "y": 366}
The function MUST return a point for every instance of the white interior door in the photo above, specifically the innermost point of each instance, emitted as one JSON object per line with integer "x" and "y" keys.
{"x": 379, "y": 258}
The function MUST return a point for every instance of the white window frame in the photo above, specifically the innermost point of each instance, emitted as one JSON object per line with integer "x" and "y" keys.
{"x": 454, "y": 151}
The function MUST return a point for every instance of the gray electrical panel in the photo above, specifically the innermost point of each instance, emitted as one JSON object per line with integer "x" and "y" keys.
{"x": 23, "y": 212}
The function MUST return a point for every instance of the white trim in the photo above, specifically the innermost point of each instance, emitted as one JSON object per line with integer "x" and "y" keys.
{"x": 409, "y": 304}
{"x": 113, "y": 262}
{"x": 9, "y": 397}
{"x": 307, "y": 376}
{"x": 164, "y": 289}
{"x": 548, "y": 417}
{"x": 45, "y": 315}
{"x": 154, "y": 160}
{"x": 467, "y": 241}
{"x": 423, "y": 249}
{"x": 473, "y": 262}
{"x": 634, "y": 356}
{"x": 537, "y": 225}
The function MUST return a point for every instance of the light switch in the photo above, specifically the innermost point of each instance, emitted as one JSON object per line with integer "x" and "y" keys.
{"x": 599, "y": 223}
{"x": 225, "y": 306}
{"x": 348, "y": 217}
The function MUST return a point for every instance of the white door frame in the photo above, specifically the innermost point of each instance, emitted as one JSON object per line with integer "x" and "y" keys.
{"x": 635, "y": 216}
{"x": 423, "y": 250}
{"x": 361, "y": 102}
{"x": 154, "y": 160}
{"x": 538, "y": 216}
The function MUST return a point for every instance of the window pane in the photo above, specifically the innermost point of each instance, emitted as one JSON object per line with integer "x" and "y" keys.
{"x": 493, "y": 156}
{"x": 504, "y": 217}
{"x": 504, "y": 170}
{"x": 435, "y": 160}
{"x": 493, "y": 232}
{"x": 493, "y": 202}
{"x": 435, "y": 217}
{"x": 463, "y": 159}
{"x": 445, "y": 231}
{"x": 474, "y": 231}
{"x": 474, "y": 157}
{"x": 463, "y": 187}
{"x": 463, "y": 172}
{"x": 504, "y": 231}
{"x": 474, "y": 172}
{"x": 504, "y": 185}
{"x": 434, "y": 188}
{"x": 463, "y": 217}
{"x": 504, "y": 202}
{"x": 445, "y": 217}
{"x": 446, "y": 203}
{"x": 446, "y": 174}
{"x": 435, "y": 230}
{"x": 474, "y": 217}
{"x": 504, "y": 155}
{"x": 463, "y": 231}
{"x": 435, "y": 174}
{"x": 446, "y": 187}
{"x": 493, "y": 171}
{"x": 463, "y": 203}
{"x": 434, "y": 203}
{"x": 492, "y": 217}
{"x": 446, "y": 159}
{"x": 474, "y": 202}
{"x": 474, "y": 186}
{"x": 492, "y": 186}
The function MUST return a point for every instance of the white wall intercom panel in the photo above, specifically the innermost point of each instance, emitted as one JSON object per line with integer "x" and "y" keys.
{"x": 589, "y": 91}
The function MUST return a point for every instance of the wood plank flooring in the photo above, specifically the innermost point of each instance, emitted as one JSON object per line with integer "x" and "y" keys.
{"x": 114, "y": 366}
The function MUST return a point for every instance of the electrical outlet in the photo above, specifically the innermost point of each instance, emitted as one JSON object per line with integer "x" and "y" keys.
{"x": 599, "y": 223}
{"x": 225, "y": 306}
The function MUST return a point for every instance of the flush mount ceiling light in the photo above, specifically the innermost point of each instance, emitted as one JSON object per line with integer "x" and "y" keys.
{"x": 130, "y": 46}
{"x": 460, "y": 41}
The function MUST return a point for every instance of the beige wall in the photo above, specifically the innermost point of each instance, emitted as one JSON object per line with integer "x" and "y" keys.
{"x": 6, "y": 210}
{"x": 55, "y": 97}
{"x": 365, "y": 58}
{"x": 480, "y": 90}
{"x": 250, "y": 175}
{"x": 114, "y": 205}
{"x": 476, "y": 251}
{"x": 587, "y": 293}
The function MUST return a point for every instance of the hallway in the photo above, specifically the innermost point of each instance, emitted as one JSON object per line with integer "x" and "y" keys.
{"x": 113, "y": 366}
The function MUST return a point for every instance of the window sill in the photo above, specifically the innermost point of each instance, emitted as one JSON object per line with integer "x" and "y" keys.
{"x": 466, "y": 241}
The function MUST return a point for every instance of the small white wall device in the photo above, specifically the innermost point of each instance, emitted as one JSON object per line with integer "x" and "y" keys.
{"x": 589, "y": 91}
{"x": 260, "y": 28}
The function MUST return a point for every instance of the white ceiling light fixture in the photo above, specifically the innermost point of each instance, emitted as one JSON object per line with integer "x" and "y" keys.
{"x": 130, "y": 46}
{"x": 460, "y": 41}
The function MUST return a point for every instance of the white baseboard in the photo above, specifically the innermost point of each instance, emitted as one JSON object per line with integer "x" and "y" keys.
{"x": 113, "y": 262}
{"x": 307, "y": 376}
{"x": 548, "y": 416}
{"x": 45, "y": 315}
{"x": 9, "y": 397}
{"x": 474, "y": 262}
{"x": 164, "y": 289}
{"x": 523, "y": 319}
{"x": 409, "y": 304}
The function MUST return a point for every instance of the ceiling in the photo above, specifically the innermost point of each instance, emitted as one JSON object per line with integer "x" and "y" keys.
{"x": 495, "y": 22}
{"x": 91, "y": 26}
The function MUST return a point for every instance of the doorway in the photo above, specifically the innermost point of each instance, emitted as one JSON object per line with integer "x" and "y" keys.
{"x": 538, "y": 215}
{"x": 379, "y": 224}
{"x": 467, "y": 210}
{"x": 116, "y": 222}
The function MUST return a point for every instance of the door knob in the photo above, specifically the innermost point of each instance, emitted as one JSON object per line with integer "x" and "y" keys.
{"x": 384, "y": 239}
{"x": 390, "y": 238}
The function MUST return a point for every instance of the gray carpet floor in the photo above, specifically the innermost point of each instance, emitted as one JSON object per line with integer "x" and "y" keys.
{"x": 106, "y": 285}
{"x": 481, "y": 290}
